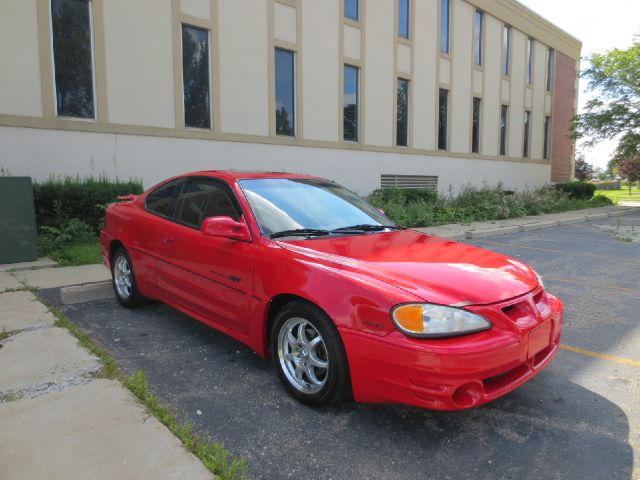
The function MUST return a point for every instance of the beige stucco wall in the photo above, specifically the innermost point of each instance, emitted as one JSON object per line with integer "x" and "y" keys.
{"x": 139, "y": 63}
{"x": 320, "y": 70}
{"x": 244, "y": 102}
{"x": 196, "y": 8}
{"x": 460, "y": 96}
{"x": 516, "y": 94}
{"x": 490, "y": 130}
{"x": 537, "y": 103}
{"x": 20, "y": 87}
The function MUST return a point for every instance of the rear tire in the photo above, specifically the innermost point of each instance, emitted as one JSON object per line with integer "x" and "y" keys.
{"x": 124, "y": 281}
{"x": 309, "y": 355}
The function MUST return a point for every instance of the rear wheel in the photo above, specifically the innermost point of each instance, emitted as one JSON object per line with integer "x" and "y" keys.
{"x": 124, "y": 280}
{"x": 309, "y": 355}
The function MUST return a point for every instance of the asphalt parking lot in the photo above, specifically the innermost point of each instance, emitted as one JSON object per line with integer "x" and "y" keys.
{"x": 579, "y": 419}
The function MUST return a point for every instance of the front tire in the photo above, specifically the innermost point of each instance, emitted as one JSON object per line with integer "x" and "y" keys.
{"x": 309, "y": 355}
{"x": 124, "y": 281}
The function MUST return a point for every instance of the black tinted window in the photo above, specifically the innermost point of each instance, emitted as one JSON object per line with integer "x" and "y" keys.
{"x": 203, "y": 199}
{"x": 161, "y": 199}
{"x": 195, "y": 74}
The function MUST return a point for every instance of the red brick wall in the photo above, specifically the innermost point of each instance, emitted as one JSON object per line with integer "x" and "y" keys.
{"x": 564, "y": 92}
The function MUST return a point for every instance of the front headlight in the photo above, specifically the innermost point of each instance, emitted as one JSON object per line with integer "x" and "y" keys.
{"x": 424, "y": 320}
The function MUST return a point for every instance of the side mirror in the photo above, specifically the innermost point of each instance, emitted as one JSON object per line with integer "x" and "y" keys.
{"x": 226, "y": 227}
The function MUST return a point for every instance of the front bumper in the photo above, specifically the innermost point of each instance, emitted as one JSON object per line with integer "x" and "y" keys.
{"x": 457, "y": 373}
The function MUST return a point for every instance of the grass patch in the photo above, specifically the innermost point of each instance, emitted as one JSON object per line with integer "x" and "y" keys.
{"x": 620, "y": 195}
{"x": 474, "y": 204}
{"x": 77, "y": 254}
{"x": 4, "y": 334}
{"x": 213, "y": 455}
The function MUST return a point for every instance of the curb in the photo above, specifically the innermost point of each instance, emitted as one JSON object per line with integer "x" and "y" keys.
{"x": 87, "y": 292}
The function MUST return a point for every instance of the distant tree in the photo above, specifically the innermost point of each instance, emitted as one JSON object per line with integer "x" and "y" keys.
{"x": 583, "y": 170}
{"x": 614, "y": 110}
{"x": 284, "y": 126}
{"x": 629, "y": 167}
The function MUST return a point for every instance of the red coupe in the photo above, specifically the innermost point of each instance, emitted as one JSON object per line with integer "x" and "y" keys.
{"x": 347, "y": 303}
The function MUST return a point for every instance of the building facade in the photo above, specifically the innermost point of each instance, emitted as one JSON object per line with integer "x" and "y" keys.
{"x": 365, "y": 92}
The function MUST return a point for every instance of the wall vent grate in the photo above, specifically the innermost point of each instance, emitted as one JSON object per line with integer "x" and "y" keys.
{"x": 409, "y": 181}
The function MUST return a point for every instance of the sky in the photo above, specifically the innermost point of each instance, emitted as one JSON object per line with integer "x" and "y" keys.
{"x": 601, "y": 26}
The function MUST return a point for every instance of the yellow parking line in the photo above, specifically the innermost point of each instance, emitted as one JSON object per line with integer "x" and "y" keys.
{"x": 603, "y": 356}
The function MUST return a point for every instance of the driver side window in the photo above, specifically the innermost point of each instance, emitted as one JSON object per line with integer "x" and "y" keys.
{"x": 203, "y": 198}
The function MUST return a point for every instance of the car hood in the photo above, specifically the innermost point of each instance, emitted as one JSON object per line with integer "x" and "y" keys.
{"x": 435, "y": 269}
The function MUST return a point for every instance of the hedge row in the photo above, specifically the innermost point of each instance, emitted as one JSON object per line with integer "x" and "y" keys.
{"x": 60, "y": 199}
{"x": 608, "y": 185}
{"x": 577, "y": 190}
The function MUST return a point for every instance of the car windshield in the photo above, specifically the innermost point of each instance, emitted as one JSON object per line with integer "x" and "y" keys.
{"x": 312, "y": 206}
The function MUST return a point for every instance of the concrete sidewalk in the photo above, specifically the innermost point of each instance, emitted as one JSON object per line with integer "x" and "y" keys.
{"x": 56, "y": 419}
{"x": 458, "y": 231}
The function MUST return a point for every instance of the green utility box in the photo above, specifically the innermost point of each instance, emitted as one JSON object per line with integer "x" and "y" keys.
{"x": 17, "y": 220}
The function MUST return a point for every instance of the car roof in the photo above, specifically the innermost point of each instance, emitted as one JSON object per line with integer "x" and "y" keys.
{"x": 245, "y": 174}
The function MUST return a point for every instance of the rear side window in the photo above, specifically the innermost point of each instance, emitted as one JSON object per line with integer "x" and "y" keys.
{"x": 160, "y": 201}
{"x": 203, "y": 198}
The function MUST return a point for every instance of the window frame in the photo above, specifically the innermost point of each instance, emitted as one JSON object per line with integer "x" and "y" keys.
{"x": 529, "y": 60}
{"x": 526, "y": 137}
{"x": 446, "y": 49}
{"x": 94, "y": 98}
{"x": 443, "y": 120}
{"x": 506, "y": 50}
{"x": 344, "y": 11}
{"x": 209, "y": 73}
{"x": 407, "y": 113}
{"x": 476, "y": 127}
{"x": 357, "y": 119}
{"x": 408, "y": 25}
{"x": 504, "y": 130}
{"x": 294, "y": 93}
{"x": 550, "y": 70}
{"x": 478, "y": 36}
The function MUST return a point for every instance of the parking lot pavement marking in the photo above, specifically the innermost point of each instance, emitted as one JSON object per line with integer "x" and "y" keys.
{"x": 597, "y": 285}
{"x": 602, "y": 356}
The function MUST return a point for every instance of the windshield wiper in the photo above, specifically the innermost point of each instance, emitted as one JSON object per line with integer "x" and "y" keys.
{"x": 366, "y": 228}
{"x": 300, "y": 232}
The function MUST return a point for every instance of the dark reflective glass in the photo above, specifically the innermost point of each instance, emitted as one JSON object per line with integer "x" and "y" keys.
{"x": 351, "y": 9}
{"x": 527, "y": 127}
{"x": 443, "y": 113}
{"x": 281, "y": 204}
{"x": 529, "y": 60}
{"x": 403, "y": 18}
{"x": 475, "y": 131}
{"x": 195, "y": 77}
{"x": 402, "y": 118}
{"x": 72, "y": 56}
{"x": 203, "y": 199}
{"x": 350, "y": 112}
{"x": 504, "y": 118}
{"x": 445, "y": 10}
{"x": 547, "y": 135}
{"x": 506, "y": 50}
{"x": 160, "y": 201}
{"x": 477, "y": 39}
{"x": 285, "y": 93}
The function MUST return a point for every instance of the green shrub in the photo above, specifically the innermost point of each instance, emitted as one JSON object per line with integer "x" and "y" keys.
{"x": 58, "y": 200}
{"x": 578, "y": 190}
{"x": 73, "y": 231}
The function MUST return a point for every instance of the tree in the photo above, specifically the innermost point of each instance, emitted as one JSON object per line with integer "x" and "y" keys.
{"x": 614, "y": 110}
{"x": 583, "y": 170}
{"x": 630, "y": 168}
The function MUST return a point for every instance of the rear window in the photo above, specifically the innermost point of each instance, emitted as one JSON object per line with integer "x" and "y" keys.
{"x": 161, "y": 200}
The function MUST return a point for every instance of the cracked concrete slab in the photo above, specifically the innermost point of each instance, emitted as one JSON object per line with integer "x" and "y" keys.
{"x": 8, "y": 281}
{"x": 64, "y": 276}
{"x": 21, "y": 310}
{"x": 42, "y": 262}
{"x": 97, "y": 430}
{"x": 34, "y": 361}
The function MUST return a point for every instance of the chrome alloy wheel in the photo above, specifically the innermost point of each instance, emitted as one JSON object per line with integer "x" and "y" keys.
{"x": 122, "y": 277}
{"x": 303, "y": 355}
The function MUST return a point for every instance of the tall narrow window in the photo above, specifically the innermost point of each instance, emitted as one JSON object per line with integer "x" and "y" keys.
{"x": 403, "y": 17}
{"x": 351, "y": 9}
{"x": 529, "y": 60}
{"x": 195, "y": 77}
{"x": 445, "y": 14}
{"x": 526, "y": 141}
{"x": 550, "y": 61}
{"x": 443, "y": 120}
{"x": 504, "y": 119}
{"x": 285, "y": 93}
{"x": 73, "y": 58}
{"x": 350, "y": 106}
{"x": 402, "y": 114}
{"x": 547, "y": 137}
{"x": 475, "y": 128}
{"x": 478, "y": 35}
{"x": 506, "y": 50}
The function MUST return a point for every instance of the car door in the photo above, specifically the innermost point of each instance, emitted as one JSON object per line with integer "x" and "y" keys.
{"x": 210, "y": 276}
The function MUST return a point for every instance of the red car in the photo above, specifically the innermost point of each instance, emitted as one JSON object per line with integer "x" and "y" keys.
{"x": 347, "y": 303}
